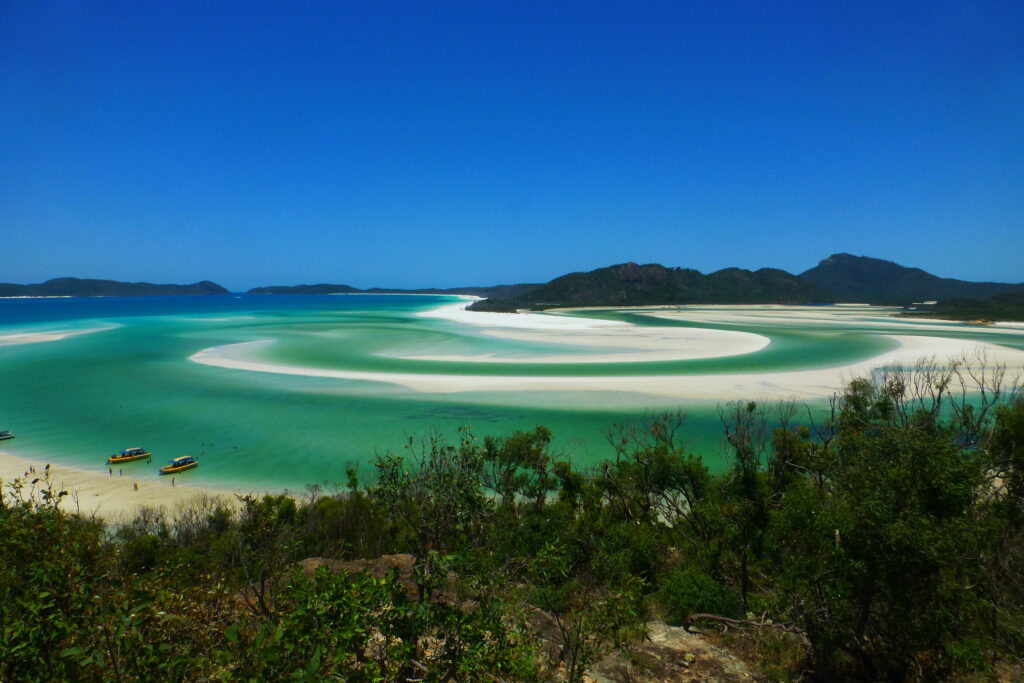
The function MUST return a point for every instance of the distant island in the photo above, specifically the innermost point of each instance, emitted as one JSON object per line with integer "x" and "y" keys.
{"x": 305, "y": 289}
{"x": 76, "y": 287}
{"x": 503, "y": 291}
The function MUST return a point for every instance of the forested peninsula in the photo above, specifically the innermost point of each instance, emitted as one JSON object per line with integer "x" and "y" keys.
{"x": 998, "y": 307}
{"x": 840, "y": 278}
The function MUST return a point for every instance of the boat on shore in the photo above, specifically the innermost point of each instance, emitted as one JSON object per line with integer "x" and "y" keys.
{"x": 129, "y": 454}
{"x": 181, "y": 464}
{"x": 6, "y": 434}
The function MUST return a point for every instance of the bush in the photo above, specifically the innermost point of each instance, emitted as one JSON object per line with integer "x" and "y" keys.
{"x": 690, "y": 591}
{"x": 142, "y": 553}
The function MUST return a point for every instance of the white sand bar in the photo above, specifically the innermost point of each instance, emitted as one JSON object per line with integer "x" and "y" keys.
{"x": 48, "y": 336}
{"x": 592, "y": 340}
{"x": 523, "y": 321}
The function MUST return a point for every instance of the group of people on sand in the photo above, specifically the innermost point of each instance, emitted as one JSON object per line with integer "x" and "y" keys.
{"x": 120, "y": 473}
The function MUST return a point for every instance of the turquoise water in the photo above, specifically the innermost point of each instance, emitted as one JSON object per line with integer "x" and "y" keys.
{"x": 77, "y": 399}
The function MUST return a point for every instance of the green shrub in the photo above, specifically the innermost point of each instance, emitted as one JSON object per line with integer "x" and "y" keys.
{"x": 690, "y": 591}
{"x": 142, "y": 553}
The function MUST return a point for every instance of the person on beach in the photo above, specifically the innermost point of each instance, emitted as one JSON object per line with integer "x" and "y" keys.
{"x": 110, "y": 471}
{"x": 172, "y": 481}
{"x": 135, "y": 486}
{"x": 120, "y": 472}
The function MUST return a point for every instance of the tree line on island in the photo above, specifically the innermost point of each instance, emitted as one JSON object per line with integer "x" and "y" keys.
{"x": 881, "y": 542}
{"x": 840, "y": 278}
{"x": 78, "y": 287}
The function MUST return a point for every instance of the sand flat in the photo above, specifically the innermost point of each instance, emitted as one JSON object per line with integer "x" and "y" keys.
{"x": 614, "y": 345}
{"x": 595, "y": 340}
{"x": 525, "y": 321}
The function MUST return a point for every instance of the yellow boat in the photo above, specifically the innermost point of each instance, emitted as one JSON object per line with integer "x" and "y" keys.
{"x": 181, "y": 464}
{"x": 129, "y": 454}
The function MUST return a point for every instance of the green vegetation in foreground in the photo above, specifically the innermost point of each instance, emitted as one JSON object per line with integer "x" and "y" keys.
{"x": 1005, "y": 306}
{"x": 884, "y": 544}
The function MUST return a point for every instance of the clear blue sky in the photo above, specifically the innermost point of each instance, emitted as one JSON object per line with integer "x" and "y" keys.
{"x": 453, "y": 143}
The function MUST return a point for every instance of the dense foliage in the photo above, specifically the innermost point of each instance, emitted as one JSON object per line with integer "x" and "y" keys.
{"x": 884, "y": 544}
{"x": 1005, "y": 306}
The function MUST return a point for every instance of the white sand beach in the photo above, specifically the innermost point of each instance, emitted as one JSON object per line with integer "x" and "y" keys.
{"x": 111, "y": 497}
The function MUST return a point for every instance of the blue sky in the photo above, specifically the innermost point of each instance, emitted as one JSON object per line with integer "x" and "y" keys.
{"x": 453, "y": 143}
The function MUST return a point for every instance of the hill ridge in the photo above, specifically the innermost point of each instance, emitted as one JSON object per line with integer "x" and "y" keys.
{"x": 872, "y": 280}
{"x": 89, "y": 287}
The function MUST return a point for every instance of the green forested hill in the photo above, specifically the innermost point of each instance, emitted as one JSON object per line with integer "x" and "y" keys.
{"x": 838, "y": 278}
{"x": 875, "y": 281}
{"x": 630, "y": 284}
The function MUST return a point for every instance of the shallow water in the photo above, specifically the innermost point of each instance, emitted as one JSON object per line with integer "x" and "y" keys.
{"x": 80, "y": 398}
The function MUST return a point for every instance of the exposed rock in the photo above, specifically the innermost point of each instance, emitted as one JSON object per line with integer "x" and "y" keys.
{"x": 671, "y": 653}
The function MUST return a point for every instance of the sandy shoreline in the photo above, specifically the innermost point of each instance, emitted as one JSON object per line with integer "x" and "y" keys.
{"x": 110, "y": 497}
